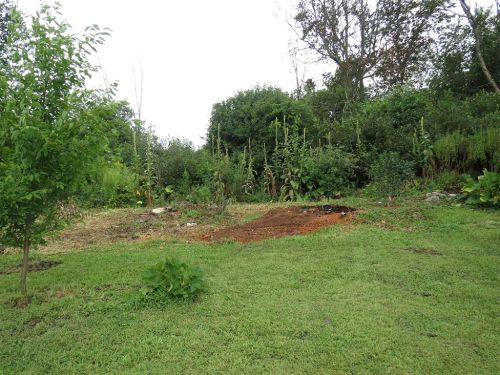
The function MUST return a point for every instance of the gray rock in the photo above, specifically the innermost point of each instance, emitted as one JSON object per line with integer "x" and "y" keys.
{"x": 158, "y": 211}
{"x": 432, "y": 199}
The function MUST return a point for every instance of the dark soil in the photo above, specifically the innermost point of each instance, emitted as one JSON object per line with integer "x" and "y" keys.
{"x": 281, "y": 222}
{"x": 40, "y": 265}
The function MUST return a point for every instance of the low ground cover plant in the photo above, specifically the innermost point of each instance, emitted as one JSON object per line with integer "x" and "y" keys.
{"x": 172, "y": 280}
{"x": 485, "y": 191}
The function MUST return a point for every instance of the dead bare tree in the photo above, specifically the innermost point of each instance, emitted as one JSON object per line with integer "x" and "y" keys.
{"x": 299, "y": 71}
{"x": 475, "y": 25}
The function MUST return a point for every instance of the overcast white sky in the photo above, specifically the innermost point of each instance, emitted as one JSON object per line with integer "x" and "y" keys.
{"x": 193, "y": 53}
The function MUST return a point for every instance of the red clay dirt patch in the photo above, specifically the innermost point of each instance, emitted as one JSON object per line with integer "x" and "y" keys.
{"x": 281, "y": 222}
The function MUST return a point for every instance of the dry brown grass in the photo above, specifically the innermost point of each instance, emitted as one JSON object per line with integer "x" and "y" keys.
{"x": 100, "y": 227}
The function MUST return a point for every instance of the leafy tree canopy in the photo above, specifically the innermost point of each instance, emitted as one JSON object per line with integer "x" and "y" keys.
{"x": 48, "y": 137}
{"x": 250, "y": 114}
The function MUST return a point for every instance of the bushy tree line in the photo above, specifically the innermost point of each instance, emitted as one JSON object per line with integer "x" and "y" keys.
{"x": 419, "y": 98}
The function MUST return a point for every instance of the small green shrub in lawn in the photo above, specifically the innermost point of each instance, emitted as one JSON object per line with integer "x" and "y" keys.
{"x": 485, "y": 191}
{"x": 172, "y": 280}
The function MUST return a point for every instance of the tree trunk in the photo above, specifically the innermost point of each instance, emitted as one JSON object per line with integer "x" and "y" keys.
{"x": 24, "y": 267}
{"x": 477, "y": 37}
{"x": 485, "y": 68}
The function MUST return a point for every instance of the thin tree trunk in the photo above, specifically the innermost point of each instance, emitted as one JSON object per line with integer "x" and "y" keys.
{"x": 477, "y": 38}
{"x": 485, "y": 68}
{"x": 24, "y": 267}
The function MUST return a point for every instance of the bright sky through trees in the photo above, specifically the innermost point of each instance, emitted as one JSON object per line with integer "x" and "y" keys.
{"x": 197, "y": 51}
{"x": 193, "y": 53}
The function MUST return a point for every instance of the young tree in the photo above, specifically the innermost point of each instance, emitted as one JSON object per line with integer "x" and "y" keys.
{"x": 48, "y": 136}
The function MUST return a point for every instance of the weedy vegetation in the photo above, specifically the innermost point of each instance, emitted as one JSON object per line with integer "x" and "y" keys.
{"x": 405, "y": 287}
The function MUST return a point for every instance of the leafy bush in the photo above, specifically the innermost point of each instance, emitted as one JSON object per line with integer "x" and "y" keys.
{"x": 485, "y": 191}
{"x": 327, "y": 172}
{"x": 172, "y": 279}
{"x": 118, "y": 185}
{"x": 390, "y": 172}
{"x": 200, "y": 194}
{"x": 469, "y": 153}
{"x": 450, "y": 181}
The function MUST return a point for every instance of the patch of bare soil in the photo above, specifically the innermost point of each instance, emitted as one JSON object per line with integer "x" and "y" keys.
{"x": 101, "y": 227}
{"x": 34, "y": 266}
{"x": 280, "y": 222}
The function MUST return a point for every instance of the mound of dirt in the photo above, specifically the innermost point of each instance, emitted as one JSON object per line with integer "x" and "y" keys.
{"x": 281, "y": 222}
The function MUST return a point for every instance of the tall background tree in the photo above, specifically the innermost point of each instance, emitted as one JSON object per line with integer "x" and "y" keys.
{"x": 459, "y": 67}
{"x": 344, "y": 32}
{"x": 387, "y": 41}
{"x": 408, "y": 32}
{"x": 477, "y": 22}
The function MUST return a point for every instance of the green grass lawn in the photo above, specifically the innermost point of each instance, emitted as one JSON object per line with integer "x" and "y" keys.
{"x": 410, "y": 290}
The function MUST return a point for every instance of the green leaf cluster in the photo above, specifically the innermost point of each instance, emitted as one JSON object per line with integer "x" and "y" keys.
{"x": 172, "y": 279}
{"x": 485, "y": 191}
{"x": 48, "y": 133}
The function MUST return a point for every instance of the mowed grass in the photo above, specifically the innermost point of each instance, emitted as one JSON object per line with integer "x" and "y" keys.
{"x": 409, "y": 290}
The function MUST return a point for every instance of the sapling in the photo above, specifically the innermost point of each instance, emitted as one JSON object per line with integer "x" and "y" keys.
{"x": 48, "y": 137}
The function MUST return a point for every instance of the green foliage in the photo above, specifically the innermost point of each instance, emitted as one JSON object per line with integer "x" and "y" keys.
{"x": 221, "y": 177}
{"x": 390, "y": 172}
{"x": 249, "y": 114}
{"x": 109, "y": 185}
{"x": 384, "y": 124}
{"x": 327, "y": 172}
{"x": 458, "y": 68}
{"x": 485, "y": 191}
{"x": 469, "y": 153}
{"x": 249, "y": 184}
{"x": 199, "y": 194}
{"x": 48, "y": 135}
{"x": 450, "y": 181}
{"x": 422, "y": 150}
{"x": 172, "y": 279}
{"x": 289, "y": 154}
{"x": 178, "y": 163}
{"x": 119, "y": 185}
{"x": 268, "y": 178}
